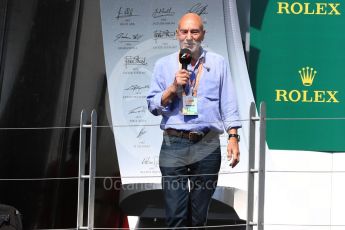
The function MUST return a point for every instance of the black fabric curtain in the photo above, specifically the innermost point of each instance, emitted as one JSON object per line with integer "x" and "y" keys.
{"x": 42, "y": 85}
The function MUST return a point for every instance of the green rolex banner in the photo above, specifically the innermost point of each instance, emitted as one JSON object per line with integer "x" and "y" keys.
{"x": 297, "y": 63}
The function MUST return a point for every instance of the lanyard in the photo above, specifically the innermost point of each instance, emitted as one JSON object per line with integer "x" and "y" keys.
{"x": 194, "y": 79}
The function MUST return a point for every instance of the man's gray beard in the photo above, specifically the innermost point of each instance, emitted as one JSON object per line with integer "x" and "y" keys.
{"x": 194, "y": 47}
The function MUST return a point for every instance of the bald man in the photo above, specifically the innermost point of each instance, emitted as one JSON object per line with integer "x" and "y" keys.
{"x": 196, "y": 105}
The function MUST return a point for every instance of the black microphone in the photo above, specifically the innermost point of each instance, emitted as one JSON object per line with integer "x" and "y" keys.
{"x": 185, "y": 57}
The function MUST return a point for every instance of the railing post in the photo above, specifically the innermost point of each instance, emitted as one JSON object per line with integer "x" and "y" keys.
{"x": 251, "y": 165}
{"x": 92, "y": 170}
{"x": 262, "y": 160}
{"x": 81, "y": 191}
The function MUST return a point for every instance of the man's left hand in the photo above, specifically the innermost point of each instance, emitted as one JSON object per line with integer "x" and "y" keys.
{"x": 233, "y": 152}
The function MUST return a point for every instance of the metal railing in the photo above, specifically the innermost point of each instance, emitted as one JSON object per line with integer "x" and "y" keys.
{"x": 251, "y": 167}
{"x": 90, "y": 177}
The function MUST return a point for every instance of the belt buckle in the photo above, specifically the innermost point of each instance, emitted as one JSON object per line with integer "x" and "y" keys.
{"x": 195, "y": 136}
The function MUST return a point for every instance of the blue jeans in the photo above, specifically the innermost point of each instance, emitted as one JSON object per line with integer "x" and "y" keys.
{"x": 180, "y": 160}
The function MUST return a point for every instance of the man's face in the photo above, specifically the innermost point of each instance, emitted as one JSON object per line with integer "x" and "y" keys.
{"x": 190, "y": 34}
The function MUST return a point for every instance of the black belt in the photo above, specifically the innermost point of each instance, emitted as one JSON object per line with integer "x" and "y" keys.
{"x": 190, "y": 135}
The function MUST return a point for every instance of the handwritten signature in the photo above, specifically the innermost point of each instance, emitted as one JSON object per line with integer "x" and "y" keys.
{"x": 160, "y": 34}
{"x": 199, "y": 9}
{"x": 142, "y": 132}
{"x": 137, "y": 88}
{"x": 162, "y": 12}
{"x": 125, "y": 37}
{"x": 125, "y": 13}
{"x": 136, "y": 110}
{"x": 150, "y": 161}
{"x": 135, "y": 60}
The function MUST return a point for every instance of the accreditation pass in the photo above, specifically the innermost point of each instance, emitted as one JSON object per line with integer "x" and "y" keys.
{"x": 190, "y": 105}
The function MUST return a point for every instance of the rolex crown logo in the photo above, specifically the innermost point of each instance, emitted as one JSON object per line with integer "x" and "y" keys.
{"x": 307, "y": 75}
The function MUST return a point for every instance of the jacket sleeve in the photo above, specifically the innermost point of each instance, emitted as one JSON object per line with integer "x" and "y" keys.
{"x": 228, "y": 100}
{"x": 154, "y": 97}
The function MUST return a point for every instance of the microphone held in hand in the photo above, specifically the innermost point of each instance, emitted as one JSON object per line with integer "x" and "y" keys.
{"x": 185, "y": 57}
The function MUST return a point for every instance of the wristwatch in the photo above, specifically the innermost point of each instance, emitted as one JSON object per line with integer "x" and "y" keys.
{"x": 234, "y": 135}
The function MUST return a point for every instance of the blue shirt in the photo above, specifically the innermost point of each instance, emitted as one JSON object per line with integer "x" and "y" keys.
{"x": 216, "y": 99}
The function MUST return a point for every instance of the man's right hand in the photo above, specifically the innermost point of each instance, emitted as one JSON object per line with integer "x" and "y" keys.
{"x": 182, "y": 77}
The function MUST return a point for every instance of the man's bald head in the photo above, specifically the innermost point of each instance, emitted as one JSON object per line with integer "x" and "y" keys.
{"x": 191, "y": 17}
{"x": 190, "y": 33}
